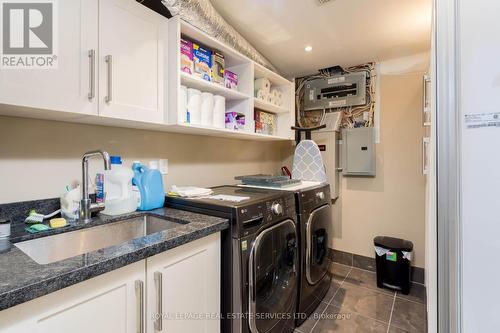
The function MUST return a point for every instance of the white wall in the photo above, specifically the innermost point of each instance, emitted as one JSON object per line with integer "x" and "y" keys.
{"x": 38, "y": 158}
{"x": 479, "y": 75}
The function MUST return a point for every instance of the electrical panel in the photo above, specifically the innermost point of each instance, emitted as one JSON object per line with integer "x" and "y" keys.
{"x": 336, "y": 91}
{"x": 358, "y": 151}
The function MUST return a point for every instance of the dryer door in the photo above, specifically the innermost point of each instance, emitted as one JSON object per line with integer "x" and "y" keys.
{"x": 273, "y": 276}
{"x": 318, "y": 232}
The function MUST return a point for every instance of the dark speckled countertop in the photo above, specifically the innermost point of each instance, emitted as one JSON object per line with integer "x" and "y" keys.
{"x": 22, "y": 279}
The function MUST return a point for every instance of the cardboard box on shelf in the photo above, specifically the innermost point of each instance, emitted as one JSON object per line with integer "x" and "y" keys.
{"x": 218, "y": 67}
{"x": 202, "y": 59}
{"x": 231, "y": 80}
{"x": 187, "y": 64}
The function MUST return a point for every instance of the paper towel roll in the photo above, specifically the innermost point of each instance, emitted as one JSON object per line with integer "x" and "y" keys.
{"x": 219, "y": 112}
{"x": 280, "y": 98}
{"x": 182, "y": 106}
{"x": 262, "y": 84}
{"x": 261, "y": 94}
{"x": 269, "y": 98}
{"x": 207, "y": 109}
{"x": 194, "y": 106}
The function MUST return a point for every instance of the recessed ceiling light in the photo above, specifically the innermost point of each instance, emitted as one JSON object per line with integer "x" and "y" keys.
{"x": 308, "y": 48}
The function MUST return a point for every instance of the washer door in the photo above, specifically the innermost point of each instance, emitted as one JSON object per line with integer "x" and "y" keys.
{"x": 272, "y": 276}
{"x": 318, "y": 231}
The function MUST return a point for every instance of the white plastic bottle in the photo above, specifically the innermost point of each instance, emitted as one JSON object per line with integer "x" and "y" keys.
{"x": 120, "y": 198}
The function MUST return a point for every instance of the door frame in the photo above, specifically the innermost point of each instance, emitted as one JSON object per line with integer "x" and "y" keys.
{"x": 448, "y": 165}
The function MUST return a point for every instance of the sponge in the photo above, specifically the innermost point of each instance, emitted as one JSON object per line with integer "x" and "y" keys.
{"x": 58, "y": 222}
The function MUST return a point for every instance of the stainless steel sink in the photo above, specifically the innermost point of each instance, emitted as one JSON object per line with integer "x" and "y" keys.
{"x": 54, "y": 248}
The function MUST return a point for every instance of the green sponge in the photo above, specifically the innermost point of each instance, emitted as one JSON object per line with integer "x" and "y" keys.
{"x": 37, "y": 228}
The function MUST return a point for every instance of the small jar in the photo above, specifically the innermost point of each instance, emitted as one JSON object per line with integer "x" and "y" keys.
{"x": 4, "y": 228}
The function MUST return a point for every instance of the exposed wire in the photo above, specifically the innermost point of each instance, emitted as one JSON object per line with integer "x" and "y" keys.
{"x": 351, "y": 116}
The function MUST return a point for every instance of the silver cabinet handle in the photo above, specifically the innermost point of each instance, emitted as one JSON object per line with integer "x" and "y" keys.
{"x": 425, "y": 156}
{"x": 139, "y": 292}
{"x": 159, "y": 302}
{"x": 91, "y": 55}
{"x": 109, "y": 62}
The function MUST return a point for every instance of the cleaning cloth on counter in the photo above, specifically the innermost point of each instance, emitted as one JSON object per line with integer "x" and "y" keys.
{"x": 189, "y": 191}
{"x": 35, "y": 228}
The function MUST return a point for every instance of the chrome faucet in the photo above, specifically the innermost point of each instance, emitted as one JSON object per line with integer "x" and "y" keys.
{"x": 86, "y": 206}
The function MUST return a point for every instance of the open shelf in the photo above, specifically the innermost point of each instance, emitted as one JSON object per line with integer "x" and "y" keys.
{"x": 207, "y": 86}
{"x": 268, "y": 107}
{"x": 223, "y": 132}
{"x": 241, "y": 101}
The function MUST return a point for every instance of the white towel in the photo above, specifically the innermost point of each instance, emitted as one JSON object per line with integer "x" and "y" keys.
{"x": 190, "y": 191}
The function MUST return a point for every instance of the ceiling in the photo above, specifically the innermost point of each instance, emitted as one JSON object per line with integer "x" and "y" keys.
{"x": 341, "y": 32}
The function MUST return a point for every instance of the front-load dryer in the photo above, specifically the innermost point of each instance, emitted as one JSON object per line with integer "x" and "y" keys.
{"x": 260, "y": 257}
{"x": 314, "y": 216}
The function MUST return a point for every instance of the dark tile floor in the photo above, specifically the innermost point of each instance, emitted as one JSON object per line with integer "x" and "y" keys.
{"x": 355, "y": 304}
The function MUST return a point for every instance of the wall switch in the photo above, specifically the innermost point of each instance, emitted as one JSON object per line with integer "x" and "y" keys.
{"x": 163, "y": 166}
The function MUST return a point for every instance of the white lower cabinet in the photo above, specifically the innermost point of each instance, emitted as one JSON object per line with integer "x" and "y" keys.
{"x": 184, "y": 288}
{"x": 107, "y": 303}
{"x": 125, "y": 300}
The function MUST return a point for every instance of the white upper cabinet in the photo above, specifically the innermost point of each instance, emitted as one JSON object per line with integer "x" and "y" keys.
{"x": 132, "y": 40}
{"x": 67, "y": 87}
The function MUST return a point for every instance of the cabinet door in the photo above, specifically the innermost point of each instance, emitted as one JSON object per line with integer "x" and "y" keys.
{"x": 107, "y": 303}
{"x": 132, "y": 40}
{"x": 184, "y": 287}
{"x": 67, "y": 87}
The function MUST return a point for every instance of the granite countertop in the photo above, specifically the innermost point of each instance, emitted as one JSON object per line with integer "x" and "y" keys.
{"x": 22, "y": 279}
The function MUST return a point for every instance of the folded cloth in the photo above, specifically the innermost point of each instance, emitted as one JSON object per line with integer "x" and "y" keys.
{"x": 189, "y": 191}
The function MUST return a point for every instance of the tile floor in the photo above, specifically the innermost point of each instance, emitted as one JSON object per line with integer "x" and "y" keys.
{"x": 355, "y": 304}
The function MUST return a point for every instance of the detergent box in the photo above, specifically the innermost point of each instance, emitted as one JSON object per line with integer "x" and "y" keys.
{"x": 187, "y": 64}
{"x": 202, "y": 58}
{"x": 218, "y": 67}
{"x": 231, "y": 80}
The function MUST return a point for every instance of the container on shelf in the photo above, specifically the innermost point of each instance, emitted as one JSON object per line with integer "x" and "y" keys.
{"x": 202, "y": 59}
{"x": 218, "y": 67}
{"x": 187, "y": 64}
{"x": 194, "y": 106}
{"x": 231, "y": 80}
{"x": 219, "y": 113}
{"x": 265, "y": 122}
{"x": 207, "y": 109}
{"x": 182, "y": 112}
{"x": 235, "y": 121}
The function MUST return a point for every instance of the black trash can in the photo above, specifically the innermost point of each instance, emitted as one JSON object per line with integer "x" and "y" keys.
{"x": 393, "y": 259}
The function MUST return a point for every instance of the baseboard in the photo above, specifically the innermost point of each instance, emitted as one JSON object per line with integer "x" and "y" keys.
{"x": 367, "y": 263}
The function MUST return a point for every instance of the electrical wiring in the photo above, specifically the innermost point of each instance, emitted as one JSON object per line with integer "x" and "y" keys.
{"x": 351, "y": 116}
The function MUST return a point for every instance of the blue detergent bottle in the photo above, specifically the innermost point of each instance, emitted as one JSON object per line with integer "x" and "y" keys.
{"x": 149, "y": 182}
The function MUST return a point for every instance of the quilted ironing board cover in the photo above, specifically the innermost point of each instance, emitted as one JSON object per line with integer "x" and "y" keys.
{"x": 307, "y": 162}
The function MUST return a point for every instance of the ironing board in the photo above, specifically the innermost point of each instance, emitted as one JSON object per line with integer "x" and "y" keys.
{"x": 307, "y": 163}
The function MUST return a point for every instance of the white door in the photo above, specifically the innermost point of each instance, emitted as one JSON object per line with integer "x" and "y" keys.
{"x": 132, "y": 44}
{"x": 107, "y": 303}
{"x": 184, "y": 286}
{"x": 67, "y": 87}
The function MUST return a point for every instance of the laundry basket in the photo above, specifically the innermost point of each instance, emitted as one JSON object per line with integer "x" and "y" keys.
{"x": 393, "y": 260}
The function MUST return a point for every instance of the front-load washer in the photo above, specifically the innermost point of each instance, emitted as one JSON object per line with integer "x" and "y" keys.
{"x": 260, "y": 257}
{"x": 314, "y": 216}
